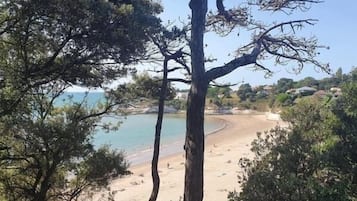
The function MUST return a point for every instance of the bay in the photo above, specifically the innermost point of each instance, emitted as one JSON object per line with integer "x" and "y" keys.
{"x": 136, "y": 132}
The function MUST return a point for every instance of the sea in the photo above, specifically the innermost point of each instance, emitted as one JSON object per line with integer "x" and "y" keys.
{"x": 135, "y": 135}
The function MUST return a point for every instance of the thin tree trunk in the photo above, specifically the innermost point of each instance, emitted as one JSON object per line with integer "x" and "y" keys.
{"x": 194, "y": 143}
{"x": 155, "y": 158}
{"x": 45, "y": 184}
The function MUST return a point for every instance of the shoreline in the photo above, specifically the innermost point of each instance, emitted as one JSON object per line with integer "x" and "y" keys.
{"x": 223, "y": 149}
{"x": 170, "y": 148}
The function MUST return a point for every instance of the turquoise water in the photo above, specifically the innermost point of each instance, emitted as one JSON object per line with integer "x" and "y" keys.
{"x": 136, "y": 132}
{"x": 91, "y": 99}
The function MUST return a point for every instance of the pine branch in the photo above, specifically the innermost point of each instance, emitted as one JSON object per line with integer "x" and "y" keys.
{"x": 244, "y": 60}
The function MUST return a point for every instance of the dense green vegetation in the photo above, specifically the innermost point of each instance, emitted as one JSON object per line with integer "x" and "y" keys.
{"x": 314, "y": 159}
{"x": 46, "y": 152}
{"x": 277, "y": 96}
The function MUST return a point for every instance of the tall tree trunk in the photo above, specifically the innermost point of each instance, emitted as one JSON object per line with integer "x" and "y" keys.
{"x": 194, "y": 144}
{"x": 160, "y": 115}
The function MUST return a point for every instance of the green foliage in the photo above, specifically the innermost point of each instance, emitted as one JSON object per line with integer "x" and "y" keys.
{"x": 143, "y": 86}
{"x": 150, "y": 87}
{"x": 278, "y": 98}
{"x": 226, "y": 92}
{"x": 352, "y": 77}
{"x": 105, "y": 164}
{"x": 212, "y": 92}
{"x": 344, "y": 154}
{"x": 284, "y": 99}
{"x": 261, "y": 95}
{"x": 307, "y": 81}
{"x": 334, "y": 81}
{"x": 76, "y": 42}
{"x": 281, "y": 98}
{"x": 245, "y": 92}
{"x": 349, "y": 100}
{"x": 314, "y": 159}
{"x": 219, "y": 92}
{"x": 46, "y": 153}
{"x": 177, "y": 104}
{"x": 283, "y": 85}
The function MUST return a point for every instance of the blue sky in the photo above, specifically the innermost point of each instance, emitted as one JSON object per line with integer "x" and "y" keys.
{"x": 336, "y": 28}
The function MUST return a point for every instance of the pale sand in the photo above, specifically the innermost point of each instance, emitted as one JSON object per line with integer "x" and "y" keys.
{"x": 223, "y": 151}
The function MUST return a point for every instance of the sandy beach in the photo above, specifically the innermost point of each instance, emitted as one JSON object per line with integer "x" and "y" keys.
{"x": 224, "y": 148}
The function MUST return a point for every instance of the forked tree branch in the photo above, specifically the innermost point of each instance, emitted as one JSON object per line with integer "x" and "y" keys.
{"x": 178, "y": 56}
{"x": 293, "y": 25}
{"x": 222, "y": 11}
{"x": 284, "y": 48}
{"x": 244, "y": 60}
{"x": 225, "y": 21}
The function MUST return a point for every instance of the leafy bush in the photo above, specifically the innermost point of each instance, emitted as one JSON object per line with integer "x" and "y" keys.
{"x": 314, "y": 159}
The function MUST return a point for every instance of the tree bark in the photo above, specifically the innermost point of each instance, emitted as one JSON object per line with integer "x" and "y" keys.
{"x": 155, "y": 158}
{"x": 194, "y": 143}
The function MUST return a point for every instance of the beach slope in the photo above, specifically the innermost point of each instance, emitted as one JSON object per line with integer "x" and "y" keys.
{"x": 224, "y": 148}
